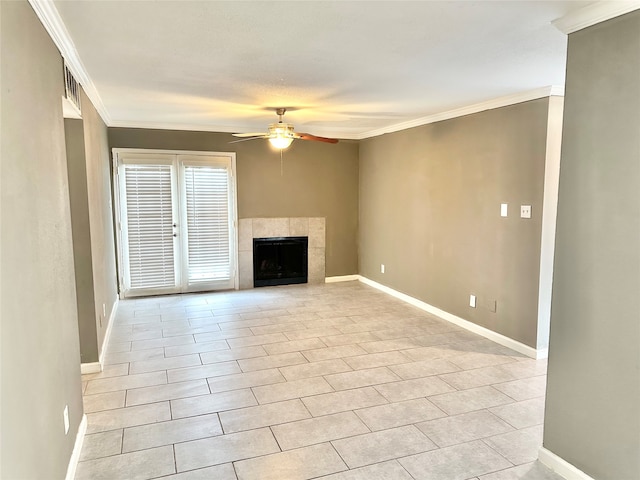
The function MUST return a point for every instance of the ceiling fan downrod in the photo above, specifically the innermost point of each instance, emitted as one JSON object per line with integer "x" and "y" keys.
{"x": 280, "y": 112}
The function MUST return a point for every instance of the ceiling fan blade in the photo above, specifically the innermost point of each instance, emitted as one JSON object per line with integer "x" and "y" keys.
{"x": 308, "y": 136}
{"x": 249, "y": 134}
{"x": 249, "y": 138}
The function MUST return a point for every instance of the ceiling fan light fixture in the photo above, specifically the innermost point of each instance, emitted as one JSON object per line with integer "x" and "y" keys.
{"x": 281, "y": 135}
{"x": 280, "y": 142}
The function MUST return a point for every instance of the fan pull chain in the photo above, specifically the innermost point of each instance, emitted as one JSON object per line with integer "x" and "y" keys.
{"x": 281, "y": 164}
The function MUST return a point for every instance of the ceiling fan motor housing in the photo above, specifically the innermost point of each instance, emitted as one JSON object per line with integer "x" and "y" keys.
{"x": 281, "y": 130}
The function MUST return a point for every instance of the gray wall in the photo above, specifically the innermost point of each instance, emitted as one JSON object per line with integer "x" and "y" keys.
{"x": 317, "y": 180}
{"x": 430, "y": 212}
{"x": 40, "y": 357}
{"x": 77, "y": 173}
{"x": 103, "y": 261}
{"x": 593, "y": 392}
{"x": 92, "y": 221}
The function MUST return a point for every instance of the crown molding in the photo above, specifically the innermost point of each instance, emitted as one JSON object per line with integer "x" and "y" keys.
{"x": 212, "y": 128}
{"x": 55, "y": 27}
{"x": 553, "y": 90}
{"x": 595, "y": 13}
{"x": 195, "y": 127}
{"x": 557, "y": 91}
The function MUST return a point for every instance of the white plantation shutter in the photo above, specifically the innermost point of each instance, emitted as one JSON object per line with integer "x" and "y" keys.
{"x": 149, "y": 226}
{"x": 208, "y": 223}
{"x": 176, "y": 216}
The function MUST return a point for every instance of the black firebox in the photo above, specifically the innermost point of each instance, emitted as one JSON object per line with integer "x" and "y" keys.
{"x": 279, "y": 261}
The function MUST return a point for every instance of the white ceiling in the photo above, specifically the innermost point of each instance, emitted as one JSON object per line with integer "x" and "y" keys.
{"x": 344, "y": 68}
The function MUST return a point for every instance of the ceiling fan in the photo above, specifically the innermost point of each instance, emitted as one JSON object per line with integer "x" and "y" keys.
{"x": 281, "y": 134}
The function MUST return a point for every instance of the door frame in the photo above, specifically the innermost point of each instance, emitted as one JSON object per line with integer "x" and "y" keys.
{"x": 116, "y": 154}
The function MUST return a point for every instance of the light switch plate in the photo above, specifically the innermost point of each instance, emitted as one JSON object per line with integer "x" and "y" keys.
{"x": 503, "y": 209}
{"x": 472, "y": 301}
{"x": 65, "y": 417}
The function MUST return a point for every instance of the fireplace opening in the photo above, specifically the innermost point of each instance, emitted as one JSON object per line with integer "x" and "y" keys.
{"x": 279, "y": 261}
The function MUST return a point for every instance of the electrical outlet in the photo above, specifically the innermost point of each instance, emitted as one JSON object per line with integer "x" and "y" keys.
{"x": 382, "y": 268}
{"x": 491, "y": 305}
{"x": 65, "y": 417}
{"x": 525, "y": 211}
{"x": 472, "y": 301}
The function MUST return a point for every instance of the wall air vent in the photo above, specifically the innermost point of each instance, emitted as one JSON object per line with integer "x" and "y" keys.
{"x": 71, "y": 105}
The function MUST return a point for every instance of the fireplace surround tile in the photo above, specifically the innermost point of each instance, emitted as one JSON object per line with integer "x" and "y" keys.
{"x": 299, "y": 227}
{"x": 245, "y": 235}
{"x": 316, "y": 265}
{"x": 270, "y": 227}
{"x": 250, "y": 228}
{"x": 316, "y": 233}
{"x": 245, "y": 269}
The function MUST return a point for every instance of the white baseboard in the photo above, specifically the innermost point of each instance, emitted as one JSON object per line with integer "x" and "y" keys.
{"x": 561, "y": 466}
{"x": 93, "y": 367}
{"x": 107, "y": 334}
{"x": 461, "y": 322}
{"x": 96, "y": 367}
{"x": 77, "y": 448}
{"x": 342, "y": 278}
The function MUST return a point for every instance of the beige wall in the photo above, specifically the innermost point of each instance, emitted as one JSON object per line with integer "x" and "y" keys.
{"x": 314, "y": 180}
{"x": 592, "y": 415}
{"x": 40, "y": 357}
{"x": 430, "y": 212}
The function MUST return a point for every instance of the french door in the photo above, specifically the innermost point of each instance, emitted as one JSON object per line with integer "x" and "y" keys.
{"x": 176, "y": 221}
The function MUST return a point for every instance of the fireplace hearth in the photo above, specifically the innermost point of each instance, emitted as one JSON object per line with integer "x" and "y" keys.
{"x": 280, "y": 261}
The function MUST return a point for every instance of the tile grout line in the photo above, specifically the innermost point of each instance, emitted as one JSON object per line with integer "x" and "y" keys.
{"x": 175, "y": 460}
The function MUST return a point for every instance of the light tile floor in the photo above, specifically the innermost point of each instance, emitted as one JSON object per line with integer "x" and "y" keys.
{"x": 335, "y": 381}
